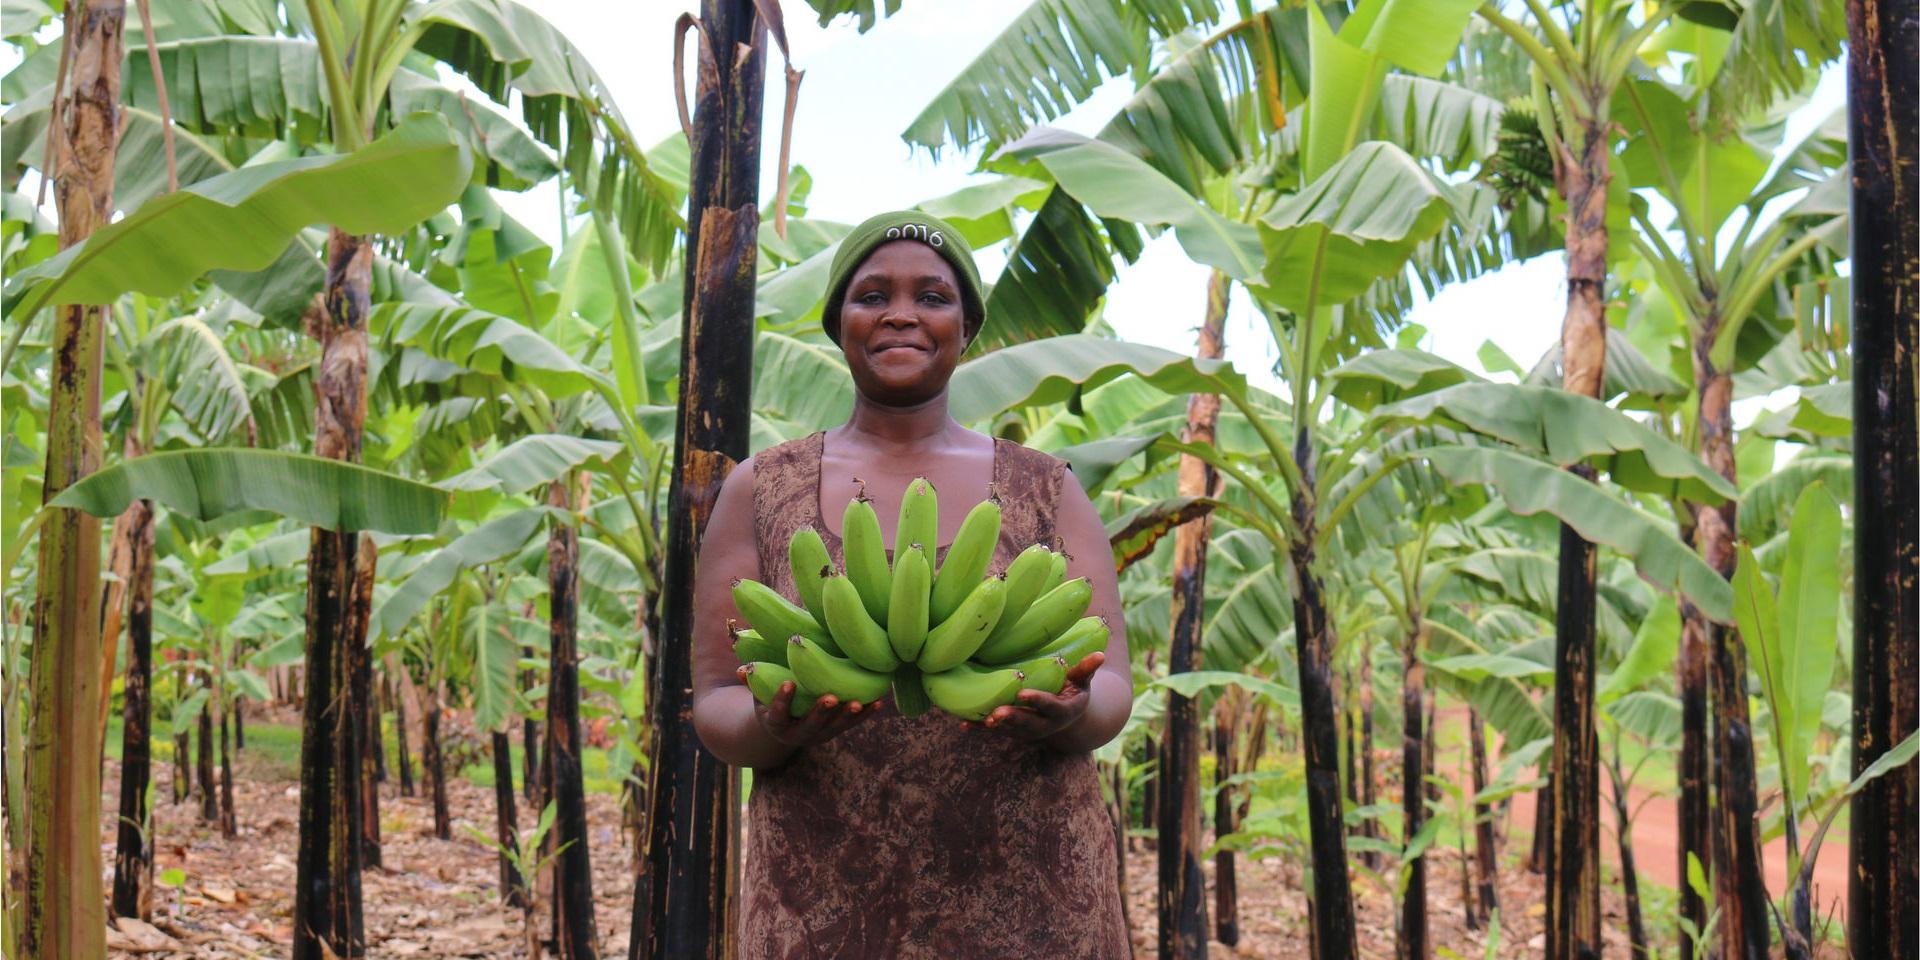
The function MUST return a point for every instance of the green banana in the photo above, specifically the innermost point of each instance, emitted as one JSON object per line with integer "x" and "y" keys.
{"x": 765, "y": 678}
{"x": 858, "y": 636}
{"x": 909, "y": 691}
{"x": 865, "y": 555}
{"x": 907, "y": 608}
{"x": 1027, "y": 578}
{"x": 807, "y": 556}
{"x": 966, "y": 560}
{"x": 1045, "y": 674}
{"x": 954, "y": 641}
{"x": 816, "y": 669}
{"x": 1054, "y": 612}
{"x": 750, "y": 646}
{"x": 1056, "y": 573}
{"x": 1087, "y": 635}
{"x": 970, "y": 693}
{"x": 774, "y": 615}
{"x": 919, "y": 521}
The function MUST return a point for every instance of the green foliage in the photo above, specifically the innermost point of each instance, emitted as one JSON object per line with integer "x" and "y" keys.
{"x": 1794, "y": 637}
{"x": 1051, "y": 57}
{"x": 213, "y": 483}
{"x": 241, "y": 220}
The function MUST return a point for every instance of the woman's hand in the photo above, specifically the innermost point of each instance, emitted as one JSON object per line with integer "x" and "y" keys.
{"x": 1038, "y": 714}
{"x": 829, "y": 717}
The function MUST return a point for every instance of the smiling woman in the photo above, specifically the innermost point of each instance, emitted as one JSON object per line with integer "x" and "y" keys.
{"x": 872, "y": 833}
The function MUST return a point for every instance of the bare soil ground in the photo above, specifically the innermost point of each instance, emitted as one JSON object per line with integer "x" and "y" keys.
{"x": 430, "y": 897}
{"x": 440, "y": 898}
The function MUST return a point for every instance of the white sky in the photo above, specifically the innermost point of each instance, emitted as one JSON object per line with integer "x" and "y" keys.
{"x": 861, "y": 91}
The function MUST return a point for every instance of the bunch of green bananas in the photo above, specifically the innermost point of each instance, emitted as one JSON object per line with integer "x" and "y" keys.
{"x": 952, "y": 638}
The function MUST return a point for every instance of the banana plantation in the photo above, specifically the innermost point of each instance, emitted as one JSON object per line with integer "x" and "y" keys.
{"x": 372, "y": 369}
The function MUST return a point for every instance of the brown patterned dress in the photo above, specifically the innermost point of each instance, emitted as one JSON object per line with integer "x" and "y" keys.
{"x": 909, "y": 838}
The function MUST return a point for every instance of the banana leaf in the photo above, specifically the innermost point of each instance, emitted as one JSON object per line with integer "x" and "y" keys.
{"x": 1051, "y": 370}
{"x": 1566, "y": 429}
{"x": 211, "y": 483}
{"x": 1051, "y": 57}
{"x": 242, "y": 220}
{"x": 1530, "y": 487}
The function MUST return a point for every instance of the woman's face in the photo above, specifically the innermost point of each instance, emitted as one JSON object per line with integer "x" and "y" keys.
{"x": 902, "y": 326}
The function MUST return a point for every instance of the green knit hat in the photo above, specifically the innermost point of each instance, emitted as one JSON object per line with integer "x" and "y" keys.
{"x": 907, "y": 225}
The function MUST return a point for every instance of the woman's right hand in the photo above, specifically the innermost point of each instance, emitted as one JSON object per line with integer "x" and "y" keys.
{"x": 829, "y": 717}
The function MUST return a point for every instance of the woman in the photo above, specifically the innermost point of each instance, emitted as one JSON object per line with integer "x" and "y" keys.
{"x": 870, "y": 834}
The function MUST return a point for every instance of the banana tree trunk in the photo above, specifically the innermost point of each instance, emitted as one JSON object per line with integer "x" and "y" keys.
{"x": 229, "y": 823}
{"x": 1740, "y": 891}
{"x": 363, "y": 713}
{"x": 1331, "y": 907}
{"x": 1226, "y": 884}
{"x": 203, "y": 765}
{"x": 376, "y": 742}
{"x": 1882, "y": 87}
{"x": 1573, "y": 871}
{"x": 1150, "y": 795}
{"x": 113, "y": 602}
{"x": 506, "y": 824}
{"x": 327, "y": 918}
{"x": 1537, "y": 852}
{"x": 1486, "y": 857}
{"x": 1629, "y": 877}
{"x": 686, "y": 901}
{"x": 1351, "y": 739}
{"x": 133, "y": 851}
{"x": 1413, "y": 807}
{"x": 1696, "y": 819}
{"x": 1183, "y": 884}
{"x": 573, "y": 933}
{"x": 634, "y": 791}
{"x": 529, "y": 748}
{"x": 1368, "y": 827}
{"x": 433, "y": 762}
{"x": 64, "y": 907}
{"x": 402, "y": 756}
{"x": 239, "y": 723}
{"x": 182, "y": 780}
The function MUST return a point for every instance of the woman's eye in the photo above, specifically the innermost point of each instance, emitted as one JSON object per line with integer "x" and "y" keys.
{"x": 871, "y": 296}
{"x": 934, "y": 298}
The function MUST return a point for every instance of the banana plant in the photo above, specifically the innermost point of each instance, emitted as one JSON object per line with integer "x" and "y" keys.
{"x": 1582, "y": 55}
{"x": 1795, "y": 635}
{"x": 1723, "y": 298}
{"x": 329, "y": 96}
{"x": 1578, "y": 59}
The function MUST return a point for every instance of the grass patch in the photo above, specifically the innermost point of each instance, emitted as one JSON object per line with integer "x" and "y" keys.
{"x": 593, "y": 771}
{"x": 272, "y": 750}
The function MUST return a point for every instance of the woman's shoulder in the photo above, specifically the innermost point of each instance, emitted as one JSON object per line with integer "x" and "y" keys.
{"x": 1018, "y": 457}
{"x": 776, "y": 458}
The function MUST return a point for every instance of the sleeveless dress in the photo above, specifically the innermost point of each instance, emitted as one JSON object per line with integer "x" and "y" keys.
{"x": 911, "y": 838}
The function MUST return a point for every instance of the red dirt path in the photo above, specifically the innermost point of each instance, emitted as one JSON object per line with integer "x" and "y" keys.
{"x": 1656, "y": 833}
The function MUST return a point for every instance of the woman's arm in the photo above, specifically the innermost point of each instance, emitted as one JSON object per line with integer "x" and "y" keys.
{"x": 1098, "y": 697}
{"x": 1084, "y": 536}
{"x": 723, "y": 713}
{"x": 728, "y": 720}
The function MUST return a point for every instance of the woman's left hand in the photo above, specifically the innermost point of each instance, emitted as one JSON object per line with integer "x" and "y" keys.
{"x": 1037, "y": 714}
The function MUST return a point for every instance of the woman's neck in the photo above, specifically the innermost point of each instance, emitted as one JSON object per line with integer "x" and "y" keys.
{"x": 904, "y": 427}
